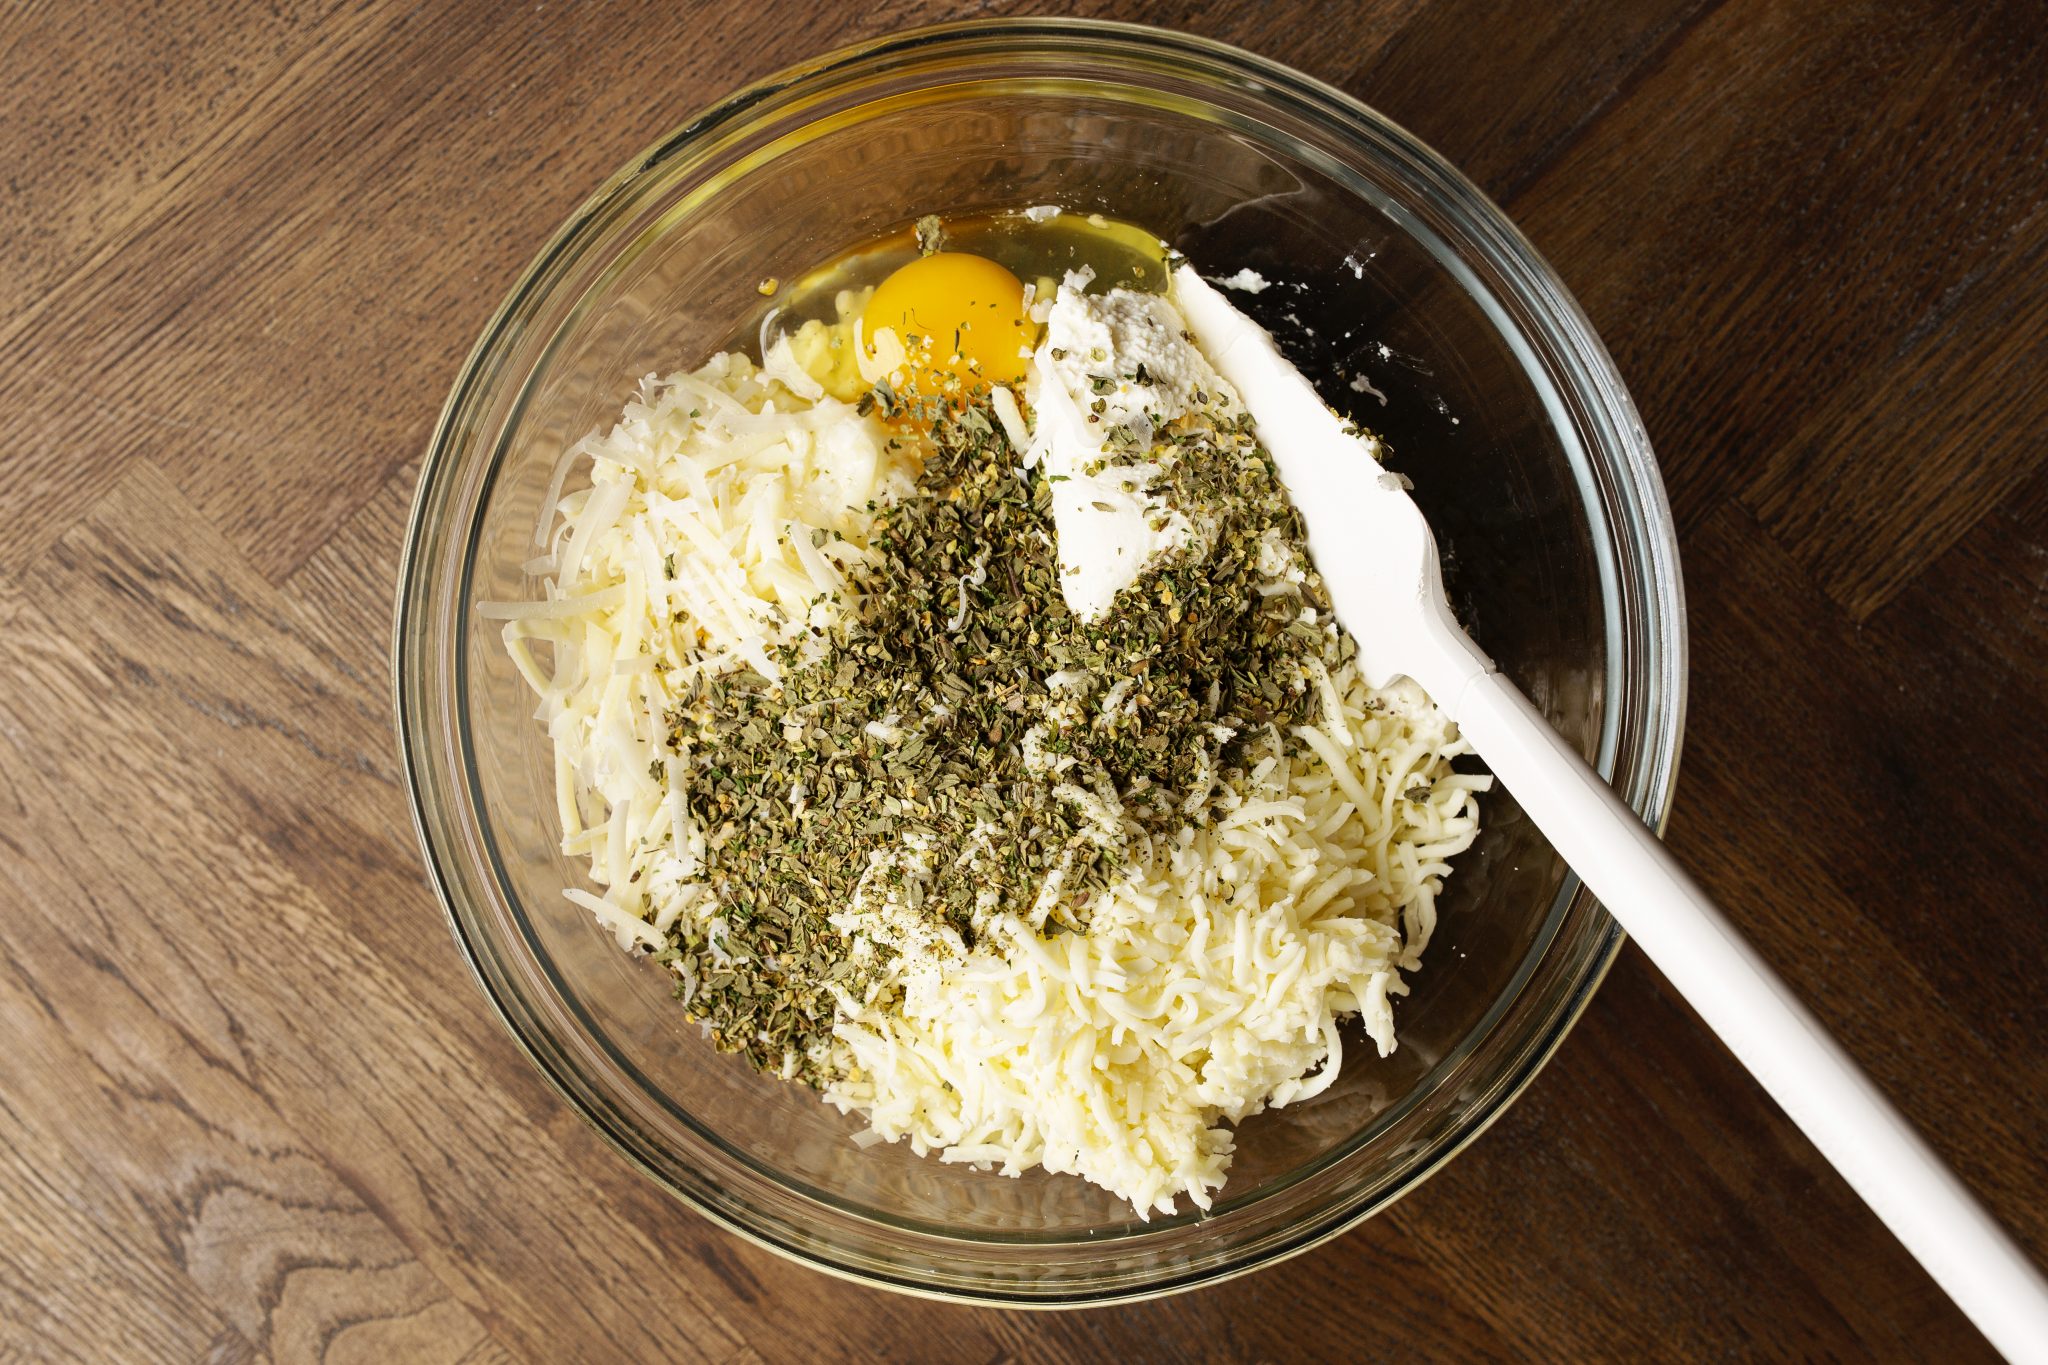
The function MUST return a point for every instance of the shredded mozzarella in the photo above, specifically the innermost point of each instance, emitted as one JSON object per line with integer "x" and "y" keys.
{"x": 1209, "y": 985}
{"x": 723, "y": 509}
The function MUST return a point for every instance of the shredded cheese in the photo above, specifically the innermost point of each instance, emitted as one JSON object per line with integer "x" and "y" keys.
{"x": 695, "y": 546}
{"x": 1210, "y": 983}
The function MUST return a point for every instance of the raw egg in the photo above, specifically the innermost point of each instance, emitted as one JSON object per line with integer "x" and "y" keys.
{"x": 959, "y": 318}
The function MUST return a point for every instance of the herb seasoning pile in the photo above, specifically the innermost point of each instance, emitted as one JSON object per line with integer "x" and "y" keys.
{"x": 911, "y": 719}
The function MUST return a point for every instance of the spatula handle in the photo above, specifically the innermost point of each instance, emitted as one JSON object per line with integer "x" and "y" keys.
{"x": 1760, "y": 1020}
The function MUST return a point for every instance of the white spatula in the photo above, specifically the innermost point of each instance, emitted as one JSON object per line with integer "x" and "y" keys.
{"x": 1379, "y": 561}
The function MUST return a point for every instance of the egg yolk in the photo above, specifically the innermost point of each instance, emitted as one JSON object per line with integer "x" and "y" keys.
{"x": 959, "y": 318}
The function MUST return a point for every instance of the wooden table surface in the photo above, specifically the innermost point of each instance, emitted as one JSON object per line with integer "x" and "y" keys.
{"x": 251, "y": 1105}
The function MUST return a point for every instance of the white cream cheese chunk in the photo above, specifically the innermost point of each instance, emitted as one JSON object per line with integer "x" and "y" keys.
{"x": 1128, "y": 352}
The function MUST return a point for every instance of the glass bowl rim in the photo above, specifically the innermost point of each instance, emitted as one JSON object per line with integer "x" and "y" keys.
{"x": 1638, "y": 491}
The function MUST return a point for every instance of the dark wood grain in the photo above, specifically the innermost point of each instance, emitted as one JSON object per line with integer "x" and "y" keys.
{"x": 251, "y": 1106}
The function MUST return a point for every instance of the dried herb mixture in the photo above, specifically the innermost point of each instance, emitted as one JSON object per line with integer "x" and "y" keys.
{"x": 959, "y": 703}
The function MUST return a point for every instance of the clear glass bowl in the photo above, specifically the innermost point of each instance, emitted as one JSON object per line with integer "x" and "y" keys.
{"x": 1501, "y": 405}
